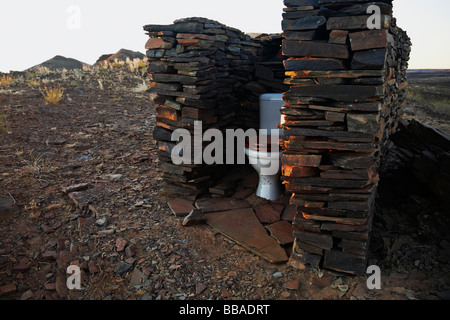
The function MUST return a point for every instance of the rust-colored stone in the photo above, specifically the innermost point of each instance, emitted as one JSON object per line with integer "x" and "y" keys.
{"x": 242, "y": 226}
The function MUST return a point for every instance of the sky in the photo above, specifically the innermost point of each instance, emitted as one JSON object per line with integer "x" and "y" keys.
{"x": 34, "y": 31}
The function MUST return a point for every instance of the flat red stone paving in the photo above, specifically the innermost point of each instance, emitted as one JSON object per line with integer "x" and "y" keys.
{"x": 221, "y": 204}
{"x": 181, "y": 207}
{"x": 268, "y": 213}
{"x": 282, "y": 232}
{"x": 242, "y": 226}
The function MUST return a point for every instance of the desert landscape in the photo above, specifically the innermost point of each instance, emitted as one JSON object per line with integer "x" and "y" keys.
{"x": 128, "y": 243}
{"x": 428, "y": 94}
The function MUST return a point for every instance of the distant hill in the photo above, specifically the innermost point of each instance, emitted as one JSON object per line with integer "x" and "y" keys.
{"x": 60, "y": 62}
{"x": 121, "y": 55}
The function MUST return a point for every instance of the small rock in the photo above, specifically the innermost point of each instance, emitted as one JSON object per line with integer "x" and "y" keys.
{"x": 101, "y": 222}
{"x": 271, "y": 271}
{"x": 122, "y": 267}
{"x": 120, "y": 244}
{"x": 27, "y": 295}
{"x": 225, "y": 293}
{"x": 93, "y": 267}
{"x": 410, "y": 296}
{"x": 84, "y": 157}
{"x": 76, "y": 187}
{"x": 130, "y": 251}
{"x": 285, "y": 294}
{"x": 105, "y": 233}
{"x": 137, "y": 278}
{"x": 293, "y": 285}
{"x": 199, "y": 288}
{"x": 277, "y": 275}
{"x": 7, "y": 288}
{"x": 115, "y": 177}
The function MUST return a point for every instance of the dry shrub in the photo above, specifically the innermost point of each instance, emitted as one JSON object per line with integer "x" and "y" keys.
{"x": 6, "y": 80}
{"x": 52, "y": 95}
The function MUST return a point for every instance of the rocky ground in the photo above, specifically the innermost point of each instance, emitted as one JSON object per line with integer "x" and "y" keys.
{"x": 128, "y": 244}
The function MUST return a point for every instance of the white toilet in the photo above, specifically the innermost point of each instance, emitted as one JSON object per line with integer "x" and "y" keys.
{"x": 265, "y": 155}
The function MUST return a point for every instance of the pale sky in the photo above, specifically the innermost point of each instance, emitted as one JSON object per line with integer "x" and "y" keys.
{"x": 34, "y": 31}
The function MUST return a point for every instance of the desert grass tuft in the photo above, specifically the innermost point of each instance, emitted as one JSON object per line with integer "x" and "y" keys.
{"x": 52, "y": 95}
{"x": 6, "y": 80}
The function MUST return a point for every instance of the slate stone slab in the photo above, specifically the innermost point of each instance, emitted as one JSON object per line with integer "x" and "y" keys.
{"x": 306, "y": 23}
{"x": 371, "y": 39}
{"x": 314, "y": 64}
{"x": 354, "y": 93}
{"x": 354, "y": 22}
{"x": 221, "y": 204}
{"x": 181, "y": 207}
{"x": 369, "y": 59}
{"x": 242, "y": 226}
{"x": 347, "y": 262}
{"x": 195, "y": 217}
{"x": 314, "y": 49}
{"x": 268, "y": 213}
{"x": 282, "y": 232}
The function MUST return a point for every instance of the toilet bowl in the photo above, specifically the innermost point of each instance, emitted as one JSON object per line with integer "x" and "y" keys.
{"x": 264, "y": 154}
{"x": 266, "y": 164}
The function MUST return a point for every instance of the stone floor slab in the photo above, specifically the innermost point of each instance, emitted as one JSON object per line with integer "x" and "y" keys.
{"x": 282, "y": 232}
{"x": 181, "y": 207}
{"x": 242, "y": 226}
{"x": 220, "y": 204}
{"x": 269, "y": 212}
